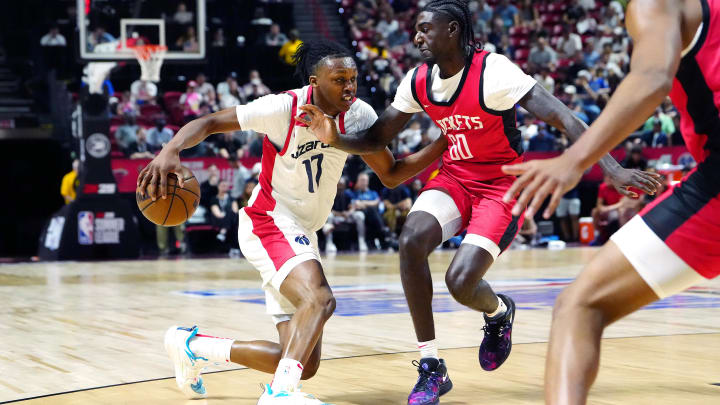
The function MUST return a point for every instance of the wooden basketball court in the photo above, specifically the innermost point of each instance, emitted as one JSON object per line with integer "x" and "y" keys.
{"x": 91, "y": 333}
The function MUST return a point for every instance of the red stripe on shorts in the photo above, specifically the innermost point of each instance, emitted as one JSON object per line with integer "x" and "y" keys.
{"x": 272, "y": 239}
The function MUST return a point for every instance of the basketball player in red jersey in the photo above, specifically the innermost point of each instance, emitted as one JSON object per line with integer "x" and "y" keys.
{"x": 675, "y": 241}
{"x": 471, "y": 95}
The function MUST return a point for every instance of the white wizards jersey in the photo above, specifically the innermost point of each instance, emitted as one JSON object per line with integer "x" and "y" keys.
{"x": 299, "y": 173}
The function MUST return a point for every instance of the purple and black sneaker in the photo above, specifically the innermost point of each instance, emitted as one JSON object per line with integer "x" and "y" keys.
{"x": 433, "y": 381}
{"x": 497, "y": 343}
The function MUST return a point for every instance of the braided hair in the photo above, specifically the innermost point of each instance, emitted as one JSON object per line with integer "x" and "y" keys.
{"x": 457, "y": 10}
{"x": 311, "y": 53}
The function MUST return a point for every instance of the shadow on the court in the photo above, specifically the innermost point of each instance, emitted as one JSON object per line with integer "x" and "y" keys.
{"x": 368, "y": 398}
{"x": 205, "y": 400}
{"x": 381, "y": 397}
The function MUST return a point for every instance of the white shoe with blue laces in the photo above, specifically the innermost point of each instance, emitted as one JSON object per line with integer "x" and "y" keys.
{"x": 187, "y": 366}
{"x": 270, "y": 397}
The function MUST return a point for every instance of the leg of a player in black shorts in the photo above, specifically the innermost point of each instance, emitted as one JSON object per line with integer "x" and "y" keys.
{"x": 420, "y": 235}
{"x": 608, "y": 289}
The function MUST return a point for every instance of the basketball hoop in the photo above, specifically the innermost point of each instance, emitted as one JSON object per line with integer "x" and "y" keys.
{"x": 150, "y": 58}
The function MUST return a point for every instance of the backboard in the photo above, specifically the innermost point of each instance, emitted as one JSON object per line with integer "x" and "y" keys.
{"x": 108, "y": 29}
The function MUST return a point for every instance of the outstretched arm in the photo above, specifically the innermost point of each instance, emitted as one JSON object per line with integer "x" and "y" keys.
{"x": 653, "y": 67}
{"x": 546, "y": 107}
{"x": 393, "y": 172}
{"x": 374, "y": 139}
{"x": 154, "y": 175}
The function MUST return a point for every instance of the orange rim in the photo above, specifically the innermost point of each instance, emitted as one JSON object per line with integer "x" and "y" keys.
{"x": 144, "y": 52}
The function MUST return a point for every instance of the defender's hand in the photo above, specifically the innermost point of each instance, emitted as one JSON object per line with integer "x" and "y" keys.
{"x": 623, "y": 179}
{"x": 538, "y": 179}
{"x": 320, "y": 124}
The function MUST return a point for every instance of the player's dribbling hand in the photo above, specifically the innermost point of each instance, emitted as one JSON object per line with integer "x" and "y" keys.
{"x": 153, "y": 177}
{"x": 320, "y": 124}
{"x": 538, "y": 179}
{"x": 623, "y": 179}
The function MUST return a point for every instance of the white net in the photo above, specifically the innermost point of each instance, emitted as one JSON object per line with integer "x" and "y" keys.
{"x": 95, "y": 75}
{"x": 150, "y": 58}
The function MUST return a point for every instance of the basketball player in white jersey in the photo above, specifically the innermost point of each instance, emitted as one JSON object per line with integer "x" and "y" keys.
{"x": 292, "y": 200}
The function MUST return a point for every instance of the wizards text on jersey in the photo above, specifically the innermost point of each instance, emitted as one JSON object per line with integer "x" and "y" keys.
{"x": 307, "y": 147}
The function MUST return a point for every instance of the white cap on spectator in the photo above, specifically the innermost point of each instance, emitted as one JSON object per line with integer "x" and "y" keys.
{"x": 570, "y": 89}
{"x": 584, "y": 73}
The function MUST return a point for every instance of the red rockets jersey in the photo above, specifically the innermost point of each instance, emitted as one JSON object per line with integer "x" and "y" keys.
{"x": 480, "y": 140}
{"x": 696, "y": 87}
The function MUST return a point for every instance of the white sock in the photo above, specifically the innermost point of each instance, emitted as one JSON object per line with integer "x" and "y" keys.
{"x": 428, "y": 349}
{"x": 500, "y": 309}
{"x": 287, "y": 375}
{"x": 216, "y": 350}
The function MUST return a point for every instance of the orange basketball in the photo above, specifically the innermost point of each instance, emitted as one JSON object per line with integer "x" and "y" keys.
{"x": 179, "y": 205}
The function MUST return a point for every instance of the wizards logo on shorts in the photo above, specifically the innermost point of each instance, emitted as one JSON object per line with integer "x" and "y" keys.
{"x": 302, "y": 239}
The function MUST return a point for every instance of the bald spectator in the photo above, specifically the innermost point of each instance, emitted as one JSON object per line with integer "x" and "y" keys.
{"x": 542, "y": 55}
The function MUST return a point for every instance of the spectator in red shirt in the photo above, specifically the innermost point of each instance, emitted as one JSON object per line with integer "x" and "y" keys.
{"x": 606, "y": 213}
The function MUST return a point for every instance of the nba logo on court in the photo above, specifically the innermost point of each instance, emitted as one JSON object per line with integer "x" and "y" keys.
{"x": 85, "y": 227}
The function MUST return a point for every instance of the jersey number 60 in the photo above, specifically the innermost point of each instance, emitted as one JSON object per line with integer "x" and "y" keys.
{"x": 459, "y": 149}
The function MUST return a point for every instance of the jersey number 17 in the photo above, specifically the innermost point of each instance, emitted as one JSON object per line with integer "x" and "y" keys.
{"x": 313, "y": 183}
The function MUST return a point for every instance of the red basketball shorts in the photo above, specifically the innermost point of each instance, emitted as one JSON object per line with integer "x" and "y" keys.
{"x": 475, "y": 206}
{"x": 675, "y": 241}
